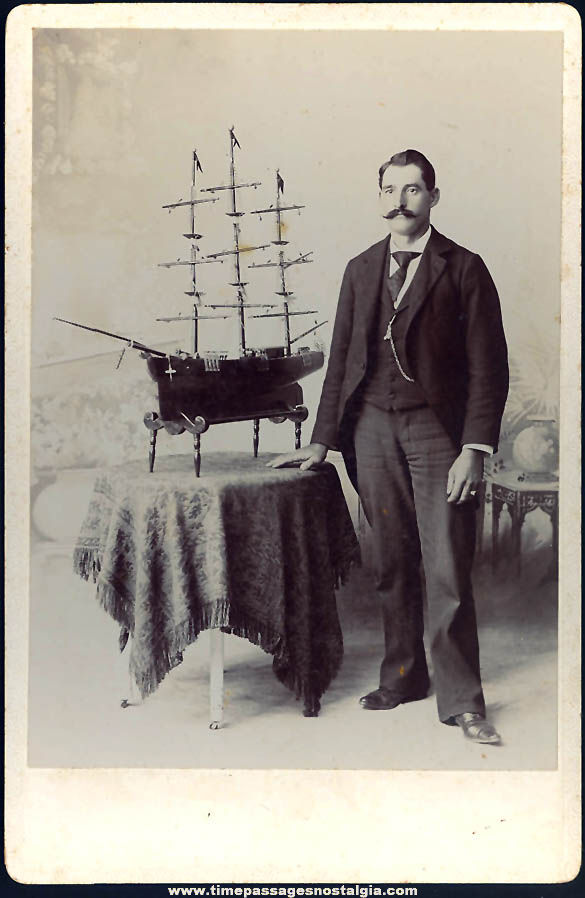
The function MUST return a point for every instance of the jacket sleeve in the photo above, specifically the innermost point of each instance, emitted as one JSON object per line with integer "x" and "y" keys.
{"x": 328, "y": 412}
{"x": 487, "y": 356}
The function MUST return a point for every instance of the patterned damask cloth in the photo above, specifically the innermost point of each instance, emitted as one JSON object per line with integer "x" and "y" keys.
{"x": 254, "y": 550}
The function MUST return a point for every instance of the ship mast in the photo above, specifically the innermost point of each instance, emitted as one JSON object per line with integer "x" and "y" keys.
{"x": 194, "y": 260}
{"x": 193, "y": 236}
{"x": 280, "y": 242}
{"x": 235, "y": 214}
{"x": 283, "y": 264}
{"x": 240, "y": 305}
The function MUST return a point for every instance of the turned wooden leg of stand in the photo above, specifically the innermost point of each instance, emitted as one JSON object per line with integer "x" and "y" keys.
{"x": 197, "y": 453}
{"x": 298, "y": 415}
{"x": 215, "y": 679}
{"x": 256, "y": 438}
{"x": 152, "y": 450}
{"x": 153, "y": 423}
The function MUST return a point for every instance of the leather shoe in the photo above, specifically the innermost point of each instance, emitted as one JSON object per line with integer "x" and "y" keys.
{"x": 383, "y": 699}
{"x": 476, "y": 728}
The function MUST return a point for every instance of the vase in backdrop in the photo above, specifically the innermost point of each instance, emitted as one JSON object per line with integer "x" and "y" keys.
{"x": 58, "y": 509}
{"x": 536, "y": 449}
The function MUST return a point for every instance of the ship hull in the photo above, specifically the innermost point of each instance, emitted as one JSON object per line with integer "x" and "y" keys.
{"x": 230, "y": 389}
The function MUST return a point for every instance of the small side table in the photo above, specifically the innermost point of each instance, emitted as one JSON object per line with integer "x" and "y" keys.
{"x": 521, "y": 496}
{"x": 244, "y": 549}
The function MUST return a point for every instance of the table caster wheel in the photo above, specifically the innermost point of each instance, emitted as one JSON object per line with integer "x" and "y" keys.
{"x": 215, "y": 725}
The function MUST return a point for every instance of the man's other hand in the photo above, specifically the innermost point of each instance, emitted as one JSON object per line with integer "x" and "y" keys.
{"x": 305, "y": 457}
{"x": 465, "y": 476}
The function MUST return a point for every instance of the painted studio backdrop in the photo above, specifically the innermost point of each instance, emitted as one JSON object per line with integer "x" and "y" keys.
{"x": 117, "y": 114}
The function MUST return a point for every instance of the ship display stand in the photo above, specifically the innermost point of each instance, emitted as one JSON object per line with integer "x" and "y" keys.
{"x": 196, "y": 389}
{"x": 288, "y": 408}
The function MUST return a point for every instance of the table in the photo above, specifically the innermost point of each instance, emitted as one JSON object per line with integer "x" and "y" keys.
{"x": 244, "y": 549}
{"x": 522, "y": 496}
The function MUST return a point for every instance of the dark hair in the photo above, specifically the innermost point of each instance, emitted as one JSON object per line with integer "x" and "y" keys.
{"x": 411, "y": 157}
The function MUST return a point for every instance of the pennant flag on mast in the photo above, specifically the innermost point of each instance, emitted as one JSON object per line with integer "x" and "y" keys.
{"x": 197, "y": 163}
{"x": 279, "y": 182}
{"x": 235, "y": 141}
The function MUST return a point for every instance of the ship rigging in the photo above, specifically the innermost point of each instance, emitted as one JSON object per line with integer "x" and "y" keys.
{"x": 195, "y": 389}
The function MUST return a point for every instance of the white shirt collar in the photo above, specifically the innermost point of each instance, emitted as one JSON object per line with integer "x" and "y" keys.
{"x": 416, "y": 247}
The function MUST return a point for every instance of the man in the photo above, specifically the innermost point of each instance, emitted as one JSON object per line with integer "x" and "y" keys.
{"x": 413, "y": 397}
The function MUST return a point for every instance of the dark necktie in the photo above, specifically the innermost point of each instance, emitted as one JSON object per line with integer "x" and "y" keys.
{"x": 396, "y": 282}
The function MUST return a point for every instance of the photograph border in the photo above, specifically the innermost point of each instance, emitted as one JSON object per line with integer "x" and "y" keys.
{"x": 285, "y": 825}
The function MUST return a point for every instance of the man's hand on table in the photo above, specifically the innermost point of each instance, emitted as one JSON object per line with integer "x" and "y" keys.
{"x": 306, "y": 457}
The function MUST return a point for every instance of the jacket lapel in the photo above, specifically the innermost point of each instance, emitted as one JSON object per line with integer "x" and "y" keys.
{"x": 430, "y": 269}
{"x": 371, "y": 275}
{"x": 373, "y": 262}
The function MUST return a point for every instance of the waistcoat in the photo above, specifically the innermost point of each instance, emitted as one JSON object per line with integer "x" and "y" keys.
{"x": 385, "y": 386}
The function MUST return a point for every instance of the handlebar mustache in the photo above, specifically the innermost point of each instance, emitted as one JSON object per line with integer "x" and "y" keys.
{"x": 404, "y": 212}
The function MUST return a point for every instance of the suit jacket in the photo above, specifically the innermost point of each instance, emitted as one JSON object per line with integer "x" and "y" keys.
{"x": 454, "y": 344}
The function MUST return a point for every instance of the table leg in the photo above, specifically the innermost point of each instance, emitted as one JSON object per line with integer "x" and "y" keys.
{"x": 256, "y": 438}
{"x": 553, "y": 568}
{"x": 497, "y": 506}
{"x": 480, "y": 525}
{"x": 134, "y": 697}
{"x": 516, "y": 536}
{"x": 216, "y": 679}
{"x": 311, "y": 705}
{"x": 555, "y": 524}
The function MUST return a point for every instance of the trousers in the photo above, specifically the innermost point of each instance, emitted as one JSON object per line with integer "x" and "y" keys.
{"x": 403, "y": 460}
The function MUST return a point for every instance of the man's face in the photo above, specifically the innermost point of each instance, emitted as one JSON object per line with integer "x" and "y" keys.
{"x": 405, "y": 200}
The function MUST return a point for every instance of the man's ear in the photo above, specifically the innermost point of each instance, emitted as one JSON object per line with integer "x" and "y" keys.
{"x": 435, "y": 196}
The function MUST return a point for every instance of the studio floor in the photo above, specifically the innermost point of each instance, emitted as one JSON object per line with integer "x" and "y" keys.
{"x": 77, "y": 679}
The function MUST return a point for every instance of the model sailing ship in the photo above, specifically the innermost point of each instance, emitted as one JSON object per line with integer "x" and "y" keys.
{"x": 196, "y": 390}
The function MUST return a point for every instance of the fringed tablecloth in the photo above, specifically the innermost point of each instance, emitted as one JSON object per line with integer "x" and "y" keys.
{"x": 254, "y": 550}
